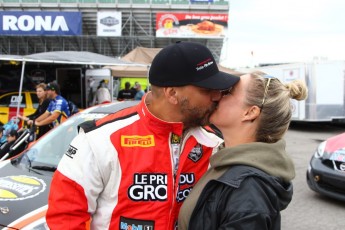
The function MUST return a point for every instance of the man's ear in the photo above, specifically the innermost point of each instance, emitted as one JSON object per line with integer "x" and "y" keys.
{"x": 171, "y": 95}
{"x": 251, "y": 113}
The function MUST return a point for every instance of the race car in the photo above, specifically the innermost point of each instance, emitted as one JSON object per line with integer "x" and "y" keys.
{"x": 28, "y": 102}
{"x": 25, "y": 179}
{"x": 326, "y": 171}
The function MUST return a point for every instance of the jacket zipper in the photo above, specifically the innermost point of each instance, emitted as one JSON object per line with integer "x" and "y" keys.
{"x": 175, "y": 174}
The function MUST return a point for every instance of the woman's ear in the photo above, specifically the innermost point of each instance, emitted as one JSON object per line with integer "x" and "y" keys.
{"x": 251, "y": 113}
{"x": 171, "y": 95}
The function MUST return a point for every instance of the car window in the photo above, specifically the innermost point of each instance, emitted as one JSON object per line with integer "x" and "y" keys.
{"x": 15, "y": 99}
{"x": 11, "y": 100}
{"x": 50, "y": 148}
{"x": 5, "y": 100}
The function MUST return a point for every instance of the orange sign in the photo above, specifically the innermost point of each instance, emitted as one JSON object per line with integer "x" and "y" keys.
{"x": 190, "y": 25}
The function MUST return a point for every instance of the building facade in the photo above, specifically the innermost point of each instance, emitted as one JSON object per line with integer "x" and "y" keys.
{"x": 34, "y": 26}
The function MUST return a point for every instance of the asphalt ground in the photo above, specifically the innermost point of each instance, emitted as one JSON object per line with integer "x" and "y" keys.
{"x": 309, "y": 210}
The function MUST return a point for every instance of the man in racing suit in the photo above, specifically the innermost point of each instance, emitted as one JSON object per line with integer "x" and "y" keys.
{"x": 134, "y": 168}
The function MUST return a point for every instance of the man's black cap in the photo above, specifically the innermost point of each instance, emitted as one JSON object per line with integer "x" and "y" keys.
{"x": 188, "y": 63}
{"x": 53, "y": 86}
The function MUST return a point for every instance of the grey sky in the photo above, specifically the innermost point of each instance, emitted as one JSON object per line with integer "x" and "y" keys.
{"x": 284, "y": 31}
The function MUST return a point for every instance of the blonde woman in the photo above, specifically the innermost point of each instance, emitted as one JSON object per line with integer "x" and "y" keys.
{"x": 249, "y": 181}
{"x": 42, "y": 107}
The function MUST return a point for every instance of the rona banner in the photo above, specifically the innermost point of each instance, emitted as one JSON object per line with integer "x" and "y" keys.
{"x": 40, "y": 23}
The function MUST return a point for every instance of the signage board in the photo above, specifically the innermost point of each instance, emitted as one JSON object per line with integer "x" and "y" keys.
{"x": 40, "y": 23}
{"x": 109, "y": 23}
{"x": 191, "y": 25}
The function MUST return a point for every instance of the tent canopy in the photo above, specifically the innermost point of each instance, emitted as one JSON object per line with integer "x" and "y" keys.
{"x": 145, "y": 56}
{"x": 66, "y": 57}
{"x": 70, "y": 57}
{"x": 139, "y": 55}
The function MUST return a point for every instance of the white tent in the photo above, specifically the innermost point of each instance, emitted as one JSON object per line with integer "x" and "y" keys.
{"x": 140, "y": 55}
{"x": 67, "y": 57}
{"x": 144, "y": 56}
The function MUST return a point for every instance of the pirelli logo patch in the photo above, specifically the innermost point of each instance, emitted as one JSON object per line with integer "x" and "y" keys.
{"x": 137, "y": 141}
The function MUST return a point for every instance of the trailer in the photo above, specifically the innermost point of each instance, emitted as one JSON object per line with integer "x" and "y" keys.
{"x": 326, "y": 83}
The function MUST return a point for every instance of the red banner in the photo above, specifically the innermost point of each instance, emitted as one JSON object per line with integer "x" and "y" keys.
{"x": 191, "y": 25}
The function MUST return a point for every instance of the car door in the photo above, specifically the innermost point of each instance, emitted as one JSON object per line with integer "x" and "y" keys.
{"x": 9, "y": 103}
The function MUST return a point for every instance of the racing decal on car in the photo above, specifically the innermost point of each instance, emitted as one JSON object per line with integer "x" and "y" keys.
{"x": 196, "y": 153}
{"x": 129, "y": 223}
{"x": 13, "y": 188}
{"x": 342, "y": 166}
{"x": 4, "y": 210}
{"x": 149, "y": 187}
{"x": 71, "y": 151}
{"x": 338, "y": 155}
{"x": 137, "y": 141}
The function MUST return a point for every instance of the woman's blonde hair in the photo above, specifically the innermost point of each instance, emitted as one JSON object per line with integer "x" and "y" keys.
{"x": 44, "y": 87}
{"x": 273, "y": 99}
{"x": 41, "y": 85}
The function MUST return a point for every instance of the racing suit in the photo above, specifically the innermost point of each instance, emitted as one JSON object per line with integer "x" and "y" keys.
{"x": 123, "y": 173}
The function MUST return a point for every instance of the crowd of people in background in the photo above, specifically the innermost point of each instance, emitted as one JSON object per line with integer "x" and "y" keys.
{"x": 51, "y": 111}
{"x": 43, "y": 103}
{"x": 131, "y": 93}
{"x": 57, "y": 110}
{"x": 102, "y": 95}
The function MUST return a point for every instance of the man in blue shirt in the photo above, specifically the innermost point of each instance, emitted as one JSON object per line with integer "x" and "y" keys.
{"x": 57, "y": 110}
{"x": 140, "y": 93}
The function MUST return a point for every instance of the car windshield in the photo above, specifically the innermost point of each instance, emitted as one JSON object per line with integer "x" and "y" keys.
{"x": 49, "y": 149}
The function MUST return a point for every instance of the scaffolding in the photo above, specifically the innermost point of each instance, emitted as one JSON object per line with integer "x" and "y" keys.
{"x": 138, "y": 26}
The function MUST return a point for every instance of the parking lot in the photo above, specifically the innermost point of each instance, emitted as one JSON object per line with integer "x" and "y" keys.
{"x": 308, "y": 210}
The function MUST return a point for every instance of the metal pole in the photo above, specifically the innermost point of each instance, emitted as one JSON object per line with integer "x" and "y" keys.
{"x": 20, "y": 90}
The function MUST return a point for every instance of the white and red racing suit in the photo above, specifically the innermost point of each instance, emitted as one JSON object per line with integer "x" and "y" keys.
{"x": 120, "y": 173}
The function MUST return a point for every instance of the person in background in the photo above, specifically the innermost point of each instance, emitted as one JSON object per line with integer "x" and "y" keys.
{"x": 139, "y": 92}
{"x": 57, "y": 110}
{"x": 249, "y": 181}
{"x": 102, "y": 95}
{"x": 126, "y": 93}
{"x": 1, "y": 135}
{"x": 134, "y": 88}
{"x": 135, "y": 167}
{"x": 11, "y": 137}
{"x": 43, "y": 103}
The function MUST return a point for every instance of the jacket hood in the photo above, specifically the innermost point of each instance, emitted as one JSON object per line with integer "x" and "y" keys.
{"x": 268, "y": 157}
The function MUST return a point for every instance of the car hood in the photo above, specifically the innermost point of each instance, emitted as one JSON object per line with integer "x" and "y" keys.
{"x": 21, "y": 192}
{"x": 335, "y": 148}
